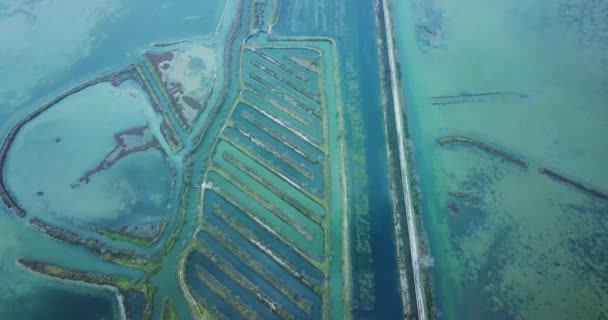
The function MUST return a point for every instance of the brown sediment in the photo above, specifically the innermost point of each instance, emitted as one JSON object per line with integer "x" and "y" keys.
{"x": 121, "y": 150}
{"x": 7, "y": 198}
{"x": 280, "y": 65}
{"x": 577, "y": 184}
{"x": 484, "y": 146}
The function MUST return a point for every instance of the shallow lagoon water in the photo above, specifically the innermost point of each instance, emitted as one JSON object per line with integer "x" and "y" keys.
{"x": 45, "y": 166}
{"x": 509, "y": 241}
{"x": 112, "y": 47}
{"x": 508, "y": 238}
{"x": 54, "y": 45}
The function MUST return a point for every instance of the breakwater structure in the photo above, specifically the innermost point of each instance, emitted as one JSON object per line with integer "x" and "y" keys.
{"x": 405, "y": 168}
{"x": 260, "y": 228}
{"x": 8, "y": 199}
{"x": 582, "y": 186}
{"x": 122, "y": 286}
{"x": 148, "y": 248}
{"x": 487, "y": 147}
{"x": 475, "y": 97}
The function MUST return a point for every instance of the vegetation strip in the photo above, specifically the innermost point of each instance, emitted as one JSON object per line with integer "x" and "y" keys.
{"x": 244, "y": 282}
{"x": 305, "y": 210}
{"x": 279, "y": 64}
{"x": 225, "y": 294}
{"x": 282, "y": 138}
{"x": 122, "y": 257}
{"x": 310, "y": 65}
{"x": 298, "y": 133}
{"x": 405, "y": 174}
{"x": 167, "y": 128}
{"x": 141, "y": 241}
{"x": 279, "y": 155}
{"x": 265, "y": 203}
{"x": 260, "y": 244}
{"x": 264, "y": 165}
{"x": 268, "y": 166}
{"x": 169, "y": 312}
{"x": 177, "y": 114}
{"x": 407, "y": 294}
{"x": 277, "y": 231}
{"x": 303, "y": 91}
{"x": 271, "y": 102}
{"x": 286, "y": 96}
{"x": 228, "y": 55}
{"x": 252, "y": 262}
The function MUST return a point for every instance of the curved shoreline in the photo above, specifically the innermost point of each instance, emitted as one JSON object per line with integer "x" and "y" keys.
{"x": 7, "y": 198}
{"x": 484, "y": 146}
{"x": 83, "y": 279}
{"x": 398, "y": 106}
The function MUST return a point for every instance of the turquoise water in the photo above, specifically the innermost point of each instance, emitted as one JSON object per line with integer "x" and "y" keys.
{"x": 527, "y": 78}
{"x": 51, "y": 47}
{"x": 51, "y": 153}
{"x": 240, "y": 158}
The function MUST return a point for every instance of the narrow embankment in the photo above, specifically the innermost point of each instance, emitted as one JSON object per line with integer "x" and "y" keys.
{"x": 398, "y": 106}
